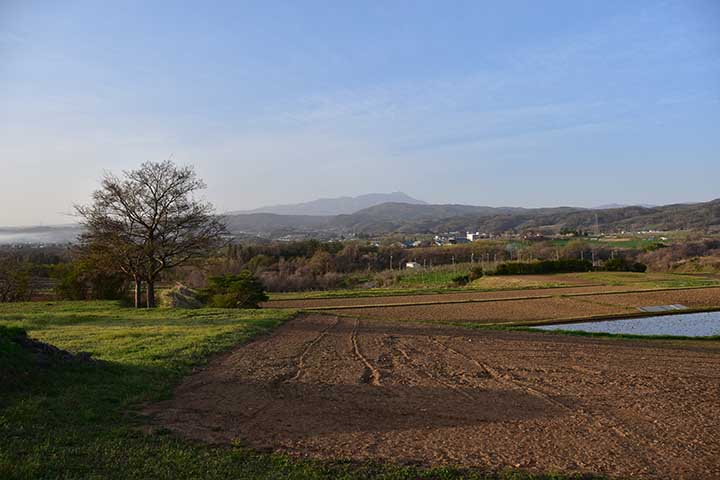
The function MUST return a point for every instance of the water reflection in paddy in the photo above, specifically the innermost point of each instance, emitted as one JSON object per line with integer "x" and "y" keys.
{"x": 702, "y": 324}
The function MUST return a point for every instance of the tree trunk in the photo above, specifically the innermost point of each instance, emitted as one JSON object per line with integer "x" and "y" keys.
{"x": 150, "y": 293}
{"x": 138, "y": 292}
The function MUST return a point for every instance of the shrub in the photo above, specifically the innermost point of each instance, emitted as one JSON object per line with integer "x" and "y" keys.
{"x": 461, "y": 280}
{"x": 639, "y": 267}
{"x": 15, "y": 280}
{"x": 475, "y": 273}
{"x": 623, "y": 265}
{"x": 235, "y": 291}
{"x": 69, "y": 284}
{"x": 81, "y": 281}
{"x": 388, "y": 278}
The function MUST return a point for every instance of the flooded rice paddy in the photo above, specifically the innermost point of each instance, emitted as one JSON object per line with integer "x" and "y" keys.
{"x": 703, "y": 324}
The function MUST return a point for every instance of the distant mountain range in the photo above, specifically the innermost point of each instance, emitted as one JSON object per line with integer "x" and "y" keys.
{"x": 419, "y": 217}
{"x": 426, "y": 218}
{"x": 336, "y": 206}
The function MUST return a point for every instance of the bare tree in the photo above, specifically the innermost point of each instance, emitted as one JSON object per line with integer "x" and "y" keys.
{"x": 149, "y": 220}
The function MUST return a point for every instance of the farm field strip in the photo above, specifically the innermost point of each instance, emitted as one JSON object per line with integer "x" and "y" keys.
{"x": 334, "y": 387}
{"x": 537, "y": 310}
{"x": 454, "y": 298}
{"x": 484, "y": 284}
{"x": 517, "y": 311}
{"x": 450, "y": 297}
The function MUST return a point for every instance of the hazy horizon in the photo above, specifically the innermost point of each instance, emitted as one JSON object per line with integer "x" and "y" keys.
{"x": 72, "y": 220}
{"x": 572, "y": 103}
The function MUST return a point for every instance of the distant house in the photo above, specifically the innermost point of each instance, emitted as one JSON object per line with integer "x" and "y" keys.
{"x": 412, "y": 265}
{"x": 450, "y": 240}
{"x": 531, "y": 235}
{"x": 475, "y": 236}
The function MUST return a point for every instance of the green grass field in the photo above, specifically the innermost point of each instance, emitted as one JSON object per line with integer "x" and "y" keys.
{"x": 644, "y": 280}
{"x": 75, "y": 420}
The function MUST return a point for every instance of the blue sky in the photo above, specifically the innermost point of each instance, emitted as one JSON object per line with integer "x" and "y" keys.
{"x": 519, "y": 103}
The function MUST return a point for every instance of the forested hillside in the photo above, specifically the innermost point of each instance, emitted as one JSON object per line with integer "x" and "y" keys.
{"x": 409, "y": 218}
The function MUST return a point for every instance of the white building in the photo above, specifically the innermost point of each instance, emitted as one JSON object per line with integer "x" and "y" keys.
{"x": 412, "y": 265}
{"x": 474, "y": 236}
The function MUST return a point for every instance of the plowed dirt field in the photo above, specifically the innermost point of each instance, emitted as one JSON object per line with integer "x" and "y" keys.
{"x": 336, "y": 387}
{"x": 440, "y": 297}
{"x": 530, "y": 310}
{"x": 693, "y": 298}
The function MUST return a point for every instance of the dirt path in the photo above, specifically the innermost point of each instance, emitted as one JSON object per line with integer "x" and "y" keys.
{"x": 335, "y": 387}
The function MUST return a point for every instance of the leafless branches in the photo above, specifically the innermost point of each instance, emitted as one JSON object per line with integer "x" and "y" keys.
{"x": 148, "y": 220}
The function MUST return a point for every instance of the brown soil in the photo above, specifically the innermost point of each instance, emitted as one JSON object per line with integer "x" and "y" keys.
{"x": 440, "y": 297}
{"x": 541, "y": 309}
{"x": 694, "y": 298}
{"x": 336, "y": 387}
{"x": 526, "y": 310}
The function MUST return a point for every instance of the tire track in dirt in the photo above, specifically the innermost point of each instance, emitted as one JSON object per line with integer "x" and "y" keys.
{"x": 608, "y": 423}
{"x": 495, "y": 375}
{"x": 403, "y": 370}
{"x": 300, "y": 363}
{"x": 371, "y": 375}
{"x": 395, "y": 358}
{"x": 551, "y": 404}
{"x": 427, "y": 372}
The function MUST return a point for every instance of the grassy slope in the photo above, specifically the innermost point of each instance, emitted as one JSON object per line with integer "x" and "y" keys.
{"x": 76, "y": 420}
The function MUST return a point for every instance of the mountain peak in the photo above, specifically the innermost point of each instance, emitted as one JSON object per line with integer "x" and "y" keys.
{"x": 337, "y": 205}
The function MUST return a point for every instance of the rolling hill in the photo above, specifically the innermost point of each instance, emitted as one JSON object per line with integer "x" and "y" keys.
{"x": 414, "y": 218}
{"x": 336, "y": 206}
